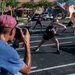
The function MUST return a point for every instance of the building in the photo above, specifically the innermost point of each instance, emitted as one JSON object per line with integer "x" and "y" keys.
{"x": 40, "y": 9}
{"x": 33, "y": 0}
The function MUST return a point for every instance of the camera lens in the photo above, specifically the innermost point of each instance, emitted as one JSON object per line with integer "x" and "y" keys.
{"x": 18, "y": 34}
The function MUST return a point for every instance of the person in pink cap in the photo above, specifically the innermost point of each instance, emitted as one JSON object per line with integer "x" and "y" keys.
{"x": 10, "y": 62}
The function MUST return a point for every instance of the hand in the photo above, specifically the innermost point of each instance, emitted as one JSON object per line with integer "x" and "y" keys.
{"x": 53, "y": 31}
{"x": 65, "y": 27}
{"x": 26, "y": 37}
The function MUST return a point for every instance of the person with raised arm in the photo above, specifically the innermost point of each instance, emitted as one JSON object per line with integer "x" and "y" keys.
{"x": 50, "y": 34}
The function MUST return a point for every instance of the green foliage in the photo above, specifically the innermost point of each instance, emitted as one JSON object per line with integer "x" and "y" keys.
{"x": 2, "y": 5}
{"x": 44, "y": 3}
{"x": 29, "y": 5}
{"x": 12, "y": 3}
{"x": 36, "y": 5}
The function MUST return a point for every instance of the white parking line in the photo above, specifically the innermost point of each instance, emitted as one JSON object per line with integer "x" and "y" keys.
{"x": 55, "y": 67}
{"x": 45, "y": 45}
{"x": 52, "y": 44}
{"x": 35, "y": 36}
{"x": 57, "y": 38}
{"x": 45, "y": 29}
{"x": 71, "y": 74}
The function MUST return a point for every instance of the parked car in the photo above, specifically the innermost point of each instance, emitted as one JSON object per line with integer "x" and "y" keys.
{"x": 35, "y": 16}
{"x": 46, "y": 16}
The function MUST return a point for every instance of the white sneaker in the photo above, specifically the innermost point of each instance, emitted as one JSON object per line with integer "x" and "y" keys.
{"x": 74, "y": 34}
{"x": 37, "y": 49}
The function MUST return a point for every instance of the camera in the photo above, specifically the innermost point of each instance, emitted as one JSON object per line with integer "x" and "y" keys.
{"x": 18, "y": 37}
{"x": 18, "y": 34}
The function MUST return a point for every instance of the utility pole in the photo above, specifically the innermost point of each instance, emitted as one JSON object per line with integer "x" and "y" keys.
{"x": 2, "y": 6}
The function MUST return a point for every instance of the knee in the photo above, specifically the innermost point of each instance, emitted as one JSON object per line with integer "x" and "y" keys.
{"x": 57, "y": 42}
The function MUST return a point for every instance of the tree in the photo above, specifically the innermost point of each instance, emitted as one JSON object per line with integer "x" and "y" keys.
{"x": 44, "y": 3}
{"x": 12, "y": 3}
{"x": 31, "y": 5}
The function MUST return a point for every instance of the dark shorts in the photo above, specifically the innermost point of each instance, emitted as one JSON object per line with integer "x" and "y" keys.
{"x": 38, "y": 22}
{"x": 48, "y": 37}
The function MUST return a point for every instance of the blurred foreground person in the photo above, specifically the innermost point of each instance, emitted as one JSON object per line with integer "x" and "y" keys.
{"x": 10, "y": 62}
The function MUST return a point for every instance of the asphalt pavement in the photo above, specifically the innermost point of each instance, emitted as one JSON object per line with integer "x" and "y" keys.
{"x": 46, "y": 61}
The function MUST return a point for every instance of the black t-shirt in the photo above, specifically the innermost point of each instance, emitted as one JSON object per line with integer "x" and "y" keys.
{"x": 48, "y": 33}
{"x": 49, "y": 30}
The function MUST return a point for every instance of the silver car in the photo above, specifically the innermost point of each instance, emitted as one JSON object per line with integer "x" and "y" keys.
{"x": 46, "y": 16}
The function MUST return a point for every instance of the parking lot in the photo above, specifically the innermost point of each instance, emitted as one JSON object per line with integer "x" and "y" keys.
{"x": 46, "y": 61}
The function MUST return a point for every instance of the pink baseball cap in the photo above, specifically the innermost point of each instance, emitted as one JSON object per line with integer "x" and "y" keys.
{"x": 8, "y": 21}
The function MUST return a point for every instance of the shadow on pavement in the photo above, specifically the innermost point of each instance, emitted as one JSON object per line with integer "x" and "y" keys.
{"x": 68, "y": 48}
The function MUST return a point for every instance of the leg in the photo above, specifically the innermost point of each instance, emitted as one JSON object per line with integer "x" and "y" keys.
{"x": 41, "y": 26}
{"x": 27, "y": 23}
{"x": 35, "y": 25}
{"x": 57, "y": 44}
{"x": 42, "y": 42}
{"x": 31, "y": 23}
{"x": 74, "y": 30}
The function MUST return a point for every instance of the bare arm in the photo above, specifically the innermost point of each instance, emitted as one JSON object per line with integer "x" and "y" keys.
{"x": 27, "y": 56}
{"x": 60, "y": 24}
{"x": 54, "y": 31}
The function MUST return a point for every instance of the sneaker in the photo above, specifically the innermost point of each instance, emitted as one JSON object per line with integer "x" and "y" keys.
{"x": 37, "y": 49}
{"x": 58, "y": 52}
{"x": 73, "y": 33}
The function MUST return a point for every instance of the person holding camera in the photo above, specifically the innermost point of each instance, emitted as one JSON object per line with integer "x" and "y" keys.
{"x": 10, "y": 62}
{"x": 50, "y": 34}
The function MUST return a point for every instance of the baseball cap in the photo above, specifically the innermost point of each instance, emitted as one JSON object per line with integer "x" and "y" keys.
{"x": 8, "y": 21}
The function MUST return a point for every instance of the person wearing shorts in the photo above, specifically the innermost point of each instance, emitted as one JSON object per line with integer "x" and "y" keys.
{"x": 38, "y": 22}
{"x": 50, "y": 34}
{"x": 29, "y": 22}
{"x": 72, "y": 24}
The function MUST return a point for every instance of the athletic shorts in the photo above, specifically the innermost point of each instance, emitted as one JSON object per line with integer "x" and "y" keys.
{"x": 48, "y": 36}
{"x": 38, "y": 22}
